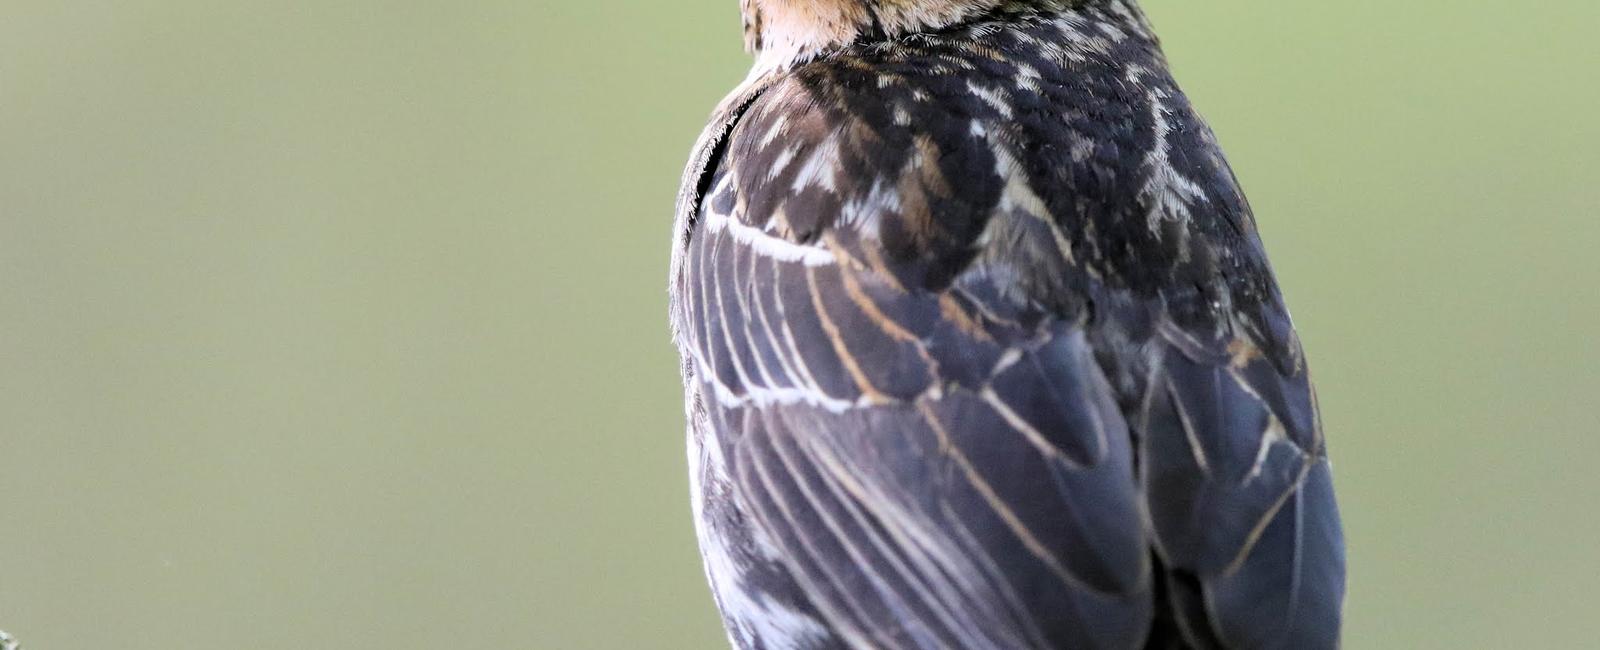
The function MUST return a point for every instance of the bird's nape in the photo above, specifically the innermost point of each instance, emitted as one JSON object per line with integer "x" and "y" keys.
{"x": 794, "y": 29}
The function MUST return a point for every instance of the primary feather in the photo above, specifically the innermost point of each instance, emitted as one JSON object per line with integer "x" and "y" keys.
{"x": 981, "y": 350}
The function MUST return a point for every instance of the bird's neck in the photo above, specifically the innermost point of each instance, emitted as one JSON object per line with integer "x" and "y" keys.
{"x": 783, "y": 33}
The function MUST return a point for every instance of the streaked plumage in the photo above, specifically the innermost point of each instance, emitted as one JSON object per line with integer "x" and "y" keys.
{"x": 981, "y": 349}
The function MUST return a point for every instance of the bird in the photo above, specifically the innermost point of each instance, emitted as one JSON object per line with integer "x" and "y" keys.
{"x": 981, "y": 348}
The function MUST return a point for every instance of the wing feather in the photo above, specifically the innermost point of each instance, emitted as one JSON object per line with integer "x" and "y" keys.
{"x": 1240, "y": 492}
{"x": 992, "y": 509}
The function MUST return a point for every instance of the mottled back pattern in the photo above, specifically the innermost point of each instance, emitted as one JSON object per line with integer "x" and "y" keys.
{"x": 981, "y": 350}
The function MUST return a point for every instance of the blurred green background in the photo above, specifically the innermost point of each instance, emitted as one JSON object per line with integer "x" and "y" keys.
{"x": 342, "y": 323}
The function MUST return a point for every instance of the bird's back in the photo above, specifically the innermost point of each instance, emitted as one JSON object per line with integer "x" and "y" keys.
{"x": 981, "y": 350}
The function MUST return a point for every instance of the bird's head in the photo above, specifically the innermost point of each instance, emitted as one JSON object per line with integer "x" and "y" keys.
{"x": 783, "y": 31}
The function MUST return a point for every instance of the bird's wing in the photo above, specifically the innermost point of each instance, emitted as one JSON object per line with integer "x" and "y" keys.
{"x": 1236, "y": 476}
{"x": 966, "y": 378}
{"x": 935, "y": 475}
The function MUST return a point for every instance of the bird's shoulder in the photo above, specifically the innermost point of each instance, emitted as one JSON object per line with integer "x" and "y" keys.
{"x": 1058, "y": 150}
